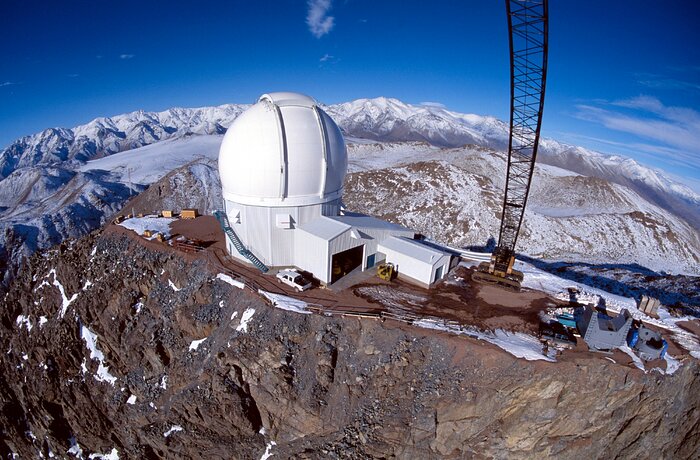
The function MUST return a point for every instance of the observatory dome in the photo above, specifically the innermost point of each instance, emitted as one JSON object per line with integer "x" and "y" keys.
{"x": 283, "y": 151}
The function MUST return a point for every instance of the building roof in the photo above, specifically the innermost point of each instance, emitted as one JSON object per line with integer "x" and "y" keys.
{"x": 363, "y": 222}
{"x": 283, "y": 151}
{"x": 324, "y": 227}
{"x": 329, "y": 227}
{"x": 413, "y": 249}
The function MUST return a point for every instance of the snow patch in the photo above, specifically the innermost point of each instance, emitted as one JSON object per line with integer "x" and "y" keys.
{"x": 172, "y": 285}
{"x": 42, "y": 321}
{"x": 90, "y": 338}
{"x": 66, "y": 300}
{"x": 196, "y": 343}
{"x": 268, "y": 450}
{"x": 87, "y": 284}
{"x": 672, "y": 364}
{"x": 286, "y": 303}
{"x": 164, "y": 382}
{"x": 113, "y": 455}
{"x": 173, "y": 429}
{"x": 131, "y": 400}
{"x": 75, "y": 449}
{"x": 227, "y": 279}
{"x": 245, "y": 319}
{"x": 154, "y": 224}
{"x": 24, "y": 320}
{"x": 682, "y": 337}
{"x": 516, "y": 343}
{"x": 138, "y": 306}
{"x": 636, "y": 359}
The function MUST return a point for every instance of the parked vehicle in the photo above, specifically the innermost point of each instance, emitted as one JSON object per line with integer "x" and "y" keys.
{"x": 294, "y": 279}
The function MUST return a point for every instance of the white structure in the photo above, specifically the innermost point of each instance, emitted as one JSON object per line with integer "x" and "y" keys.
{"x": 282, "y": 165}
{"x": 342, "y": 243}
{"x": 416, "y": 261}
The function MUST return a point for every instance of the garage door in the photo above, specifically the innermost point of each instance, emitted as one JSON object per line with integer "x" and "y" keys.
{"x": 345, "y": 262}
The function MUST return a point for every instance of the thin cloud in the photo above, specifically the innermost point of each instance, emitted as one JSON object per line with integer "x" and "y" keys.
{"x": 684, "y": 78}
{"x": 73, "y": 75}
{"x": 674, "y": 132}
{"x": 126, "y": 56}
{"x": 317, "y": 18}
{"x": 7, "y": 83}
{"x": 434, "y": 104}
{"x": 326, "y": 57}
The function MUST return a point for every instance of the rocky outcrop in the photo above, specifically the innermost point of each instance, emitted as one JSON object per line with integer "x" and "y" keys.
{"x": 111, "y": 343}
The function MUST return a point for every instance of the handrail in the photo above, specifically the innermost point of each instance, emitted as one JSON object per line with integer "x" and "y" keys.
{"x": 237, "y": 243}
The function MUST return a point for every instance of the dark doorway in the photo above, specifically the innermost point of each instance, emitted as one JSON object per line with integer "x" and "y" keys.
{"x": 345, "y": 262}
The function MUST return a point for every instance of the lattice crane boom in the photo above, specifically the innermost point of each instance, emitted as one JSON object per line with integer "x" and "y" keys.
{"x": 528, "y": 30}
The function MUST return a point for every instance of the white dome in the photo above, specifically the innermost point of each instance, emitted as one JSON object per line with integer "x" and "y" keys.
{"x": 283, "y": 151}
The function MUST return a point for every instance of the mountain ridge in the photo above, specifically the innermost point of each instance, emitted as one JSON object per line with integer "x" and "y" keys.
{"x": 381, "y": 119}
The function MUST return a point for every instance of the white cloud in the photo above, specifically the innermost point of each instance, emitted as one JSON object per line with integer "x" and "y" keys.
{"x": 677, "y": 127}
{"x": 317, "y": 17}
{"x": 433, "y": 104}
{"x": 326, "y": 57}
{"x": 126, "y": 56}
{"x": 671, "y": 133}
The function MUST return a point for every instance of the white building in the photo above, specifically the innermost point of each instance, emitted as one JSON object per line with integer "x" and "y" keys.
{"x": 282, "y": 164}
{"x": 416, "y": 261}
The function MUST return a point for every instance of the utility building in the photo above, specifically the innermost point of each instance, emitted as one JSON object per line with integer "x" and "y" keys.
{"x": 282, "y": 165}
{"x": 415, "y": 261}
{"x": 602, "y": 332}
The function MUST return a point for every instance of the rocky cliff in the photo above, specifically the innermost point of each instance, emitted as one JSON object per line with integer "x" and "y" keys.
{"x": 115, "y": 346}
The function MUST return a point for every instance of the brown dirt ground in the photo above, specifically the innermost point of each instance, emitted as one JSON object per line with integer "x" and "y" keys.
{"x": 456, "y": 299}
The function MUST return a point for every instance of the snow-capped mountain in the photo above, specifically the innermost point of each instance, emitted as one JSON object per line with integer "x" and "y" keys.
{"x": 65, "y": 182}
{"x": 106, "y": 136}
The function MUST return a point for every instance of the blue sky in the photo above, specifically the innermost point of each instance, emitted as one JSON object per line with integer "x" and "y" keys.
{"x": 624, "y": 76}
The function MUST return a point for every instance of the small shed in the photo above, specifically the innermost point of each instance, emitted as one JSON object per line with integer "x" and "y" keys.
{"x": 649, "y": 305}
{"x": 189, "y": 214}
{"x": 600, "y": 331}
{"x": 415, "y": 261}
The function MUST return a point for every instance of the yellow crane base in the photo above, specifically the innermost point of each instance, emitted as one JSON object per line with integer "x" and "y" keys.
{"x": 510, "y": 281}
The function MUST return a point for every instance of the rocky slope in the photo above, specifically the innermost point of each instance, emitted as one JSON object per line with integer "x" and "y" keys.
{"x": 116, "y": 347}
{"x": 454, "y": 197}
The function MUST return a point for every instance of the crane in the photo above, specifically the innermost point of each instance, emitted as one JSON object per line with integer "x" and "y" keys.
{"x": 528, "y": 30}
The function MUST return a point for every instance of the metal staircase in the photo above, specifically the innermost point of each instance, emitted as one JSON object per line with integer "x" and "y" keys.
{"x": 223, "y": 221}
